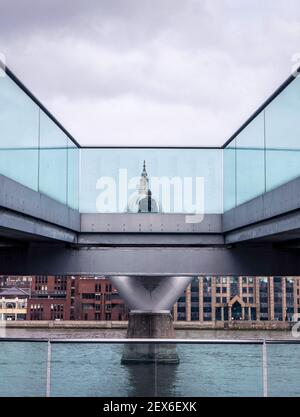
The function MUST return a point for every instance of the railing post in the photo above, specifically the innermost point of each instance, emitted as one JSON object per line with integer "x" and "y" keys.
{"x": 48, "y": 379}
{"x": 265, "y": 368}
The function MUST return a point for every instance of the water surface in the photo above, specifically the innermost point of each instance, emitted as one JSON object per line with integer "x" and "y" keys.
{"x": 91, "y": 369}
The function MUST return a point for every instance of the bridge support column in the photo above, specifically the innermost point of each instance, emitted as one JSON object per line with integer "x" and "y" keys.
{"x": 152, "y": 325}
{"x": 150, "y": 300}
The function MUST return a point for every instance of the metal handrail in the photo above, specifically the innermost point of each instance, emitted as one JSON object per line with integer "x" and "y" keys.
{"x": 155, "y": 341}
{"x": 259, "y": 342}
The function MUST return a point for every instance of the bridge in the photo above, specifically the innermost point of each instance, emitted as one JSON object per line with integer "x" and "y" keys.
{"x": 55, "y": 219}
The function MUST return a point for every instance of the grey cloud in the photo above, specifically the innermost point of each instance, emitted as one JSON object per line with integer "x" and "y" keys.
{"x": 166, "y": 62}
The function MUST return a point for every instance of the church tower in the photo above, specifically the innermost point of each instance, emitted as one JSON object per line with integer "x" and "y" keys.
{"x": 141, "y": 201}
{"x": 144, "y": 181}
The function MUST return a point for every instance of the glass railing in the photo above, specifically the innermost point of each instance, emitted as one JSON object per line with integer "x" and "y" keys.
{"x": 34, "y": 150}
{"x": 66, "y": 367}
{"x": 266, "y": 153}
{"x": 23, "y": 369}
{"x": 181, "y": 180}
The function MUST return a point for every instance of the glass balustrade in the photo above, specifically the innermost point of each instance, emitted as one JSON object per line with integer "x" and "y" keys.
{"x": 23, "y": 369}
{"x": 38, "y": 153}
{"x": 266, "y": 153}
{"x": 34, "y": 150}
{"x": 252, "y": 368}
{"x": 181, "y": 180}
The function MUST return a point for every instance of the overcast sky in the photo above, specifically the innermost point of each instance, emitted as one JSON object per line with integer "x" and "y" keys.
{"x": 151, "y": 72}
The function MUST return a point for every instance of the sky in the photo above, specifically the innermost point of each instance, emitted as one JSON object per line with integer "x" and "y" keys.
{"x": 151, "y": 72}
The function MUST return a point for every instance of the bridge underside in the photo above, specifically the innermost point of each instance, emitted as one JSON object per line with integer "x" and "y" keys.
{"x": 51, "y": 259}
{"x": 41, "y": 236}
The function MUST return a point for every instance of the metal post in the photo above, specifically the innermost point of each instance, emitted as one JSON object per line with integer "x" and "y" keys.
{"x": 155, "y": 371}
{"x": 265, "y": 369}
{"x": 48, "y": 381}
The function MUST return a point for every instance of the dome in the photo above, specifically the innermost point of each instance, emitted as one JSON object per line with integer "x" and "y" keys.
{"x": 134, "y": 202}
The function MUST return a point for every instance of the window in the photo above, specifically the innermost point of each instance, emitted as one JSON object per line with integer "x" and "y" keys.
{"x": 88, "y": 296}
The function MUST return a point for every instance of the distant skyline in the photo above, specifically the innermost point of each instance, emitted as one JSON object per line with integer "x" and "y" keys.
{"x": 156, "y": 73}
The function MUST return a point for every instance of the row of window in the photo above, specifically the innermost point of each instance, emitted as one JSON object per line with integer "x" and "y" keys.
{"x": 248, "y": 315}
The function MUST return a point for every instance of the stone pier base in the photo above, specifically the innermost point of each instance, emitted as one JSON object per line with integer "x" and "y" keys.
{"x": 150, "y": 325}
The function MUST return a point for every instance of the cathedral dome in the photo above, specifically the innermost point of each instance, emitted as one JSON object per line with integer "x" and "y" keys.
{"x": 134, "y": 202}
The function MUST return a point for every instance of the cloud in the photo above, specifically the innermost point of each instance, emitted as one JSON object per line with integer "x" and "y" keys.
{"x": 154, "y": 72}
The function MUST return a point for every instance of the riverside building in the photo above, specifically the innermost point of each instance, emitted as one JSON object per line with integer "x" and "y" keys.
{"x": 239, "y": 298}
{"x": 74, "y": 298}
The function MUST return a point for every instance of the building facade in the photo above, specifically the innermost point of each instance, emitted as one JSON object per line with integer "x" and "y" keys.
{"x": 18, "y": 281}
{"x": 13, "y": 303}
{"x": 74, "y": 298}
{"x": 239, "y": 298}
{"x": 95, "y": 298}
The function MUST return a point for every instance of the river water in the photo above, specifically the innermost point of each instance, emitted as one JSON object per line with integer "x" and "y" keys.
{"x": 95, "y": 369}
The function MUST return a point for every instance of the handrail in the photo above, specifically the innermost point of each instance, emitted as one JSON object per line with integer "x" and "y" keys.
{"x": 155, "y": 341}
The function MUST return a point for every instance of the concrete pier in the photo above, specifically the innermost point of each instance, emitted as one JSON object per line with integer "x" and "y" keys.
{"x": 151, "y": 325}
{"x": 150, "y": 300}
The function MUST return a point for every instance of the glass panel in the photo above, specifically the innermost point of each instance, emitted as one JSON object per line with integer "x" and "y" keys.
{"x": 283, "y": 136}
{"x": 283, "y": 370}
{"x": 219, "y": 370}
{"x": 73, "y": 175}
{"x": 229, "y": 157}
{"x": 23, "y": 369}
{"x": 88, "y": 370}
{"x": 19, "y": 129}
{"x": 181, "y": 180}
{"x": 203, "y": 370}
{"x": 53, "y": 160}
{"x": 250, "y": 161}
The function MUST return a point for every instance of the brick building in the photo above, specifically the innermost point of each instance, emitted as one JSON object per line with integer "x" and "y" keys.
{"x": 50, "y": 298}
{"x": 74, "y": 298}
{"x": 97, "y": 299}
{"x": 239, "y": 298}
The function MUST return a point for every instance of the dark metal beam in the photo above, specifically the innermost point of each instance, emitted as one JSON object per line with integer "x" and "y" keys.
{"x": 150, "y": 239}
{"x": 17, "y": 226}
{"x": 49, "y": 259}
{"x": 282, "y": 228}
{"x": 272, "y": 204}
{"x": 150, "y": 223}
{"x": 16, "y": 197}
